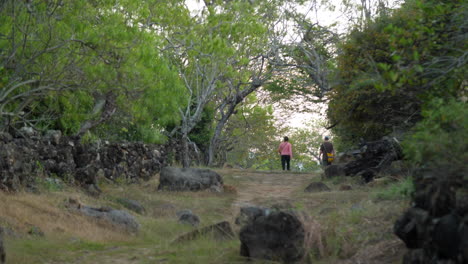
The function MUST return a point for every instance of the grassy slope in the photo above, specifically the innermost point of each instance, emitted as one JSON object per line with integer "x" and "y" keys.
{"x": 350, "y": 221}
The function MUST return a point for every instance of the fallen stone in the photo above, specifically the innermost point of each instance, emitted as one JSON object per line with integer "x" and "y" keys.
{"x": 117, "y": 217}
{"x": 187, "y": 217}
{"x": 317, "y": 187}
{"x": 189, "y": 179}
{"x": 220, "y": 231}
{"x": 132, "y": 205}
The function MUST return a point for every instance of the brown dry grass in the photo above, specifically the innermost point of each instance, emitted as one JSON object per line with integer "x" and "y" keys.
{"x": 335, "y": 231}
{"x": 22, "y": 211}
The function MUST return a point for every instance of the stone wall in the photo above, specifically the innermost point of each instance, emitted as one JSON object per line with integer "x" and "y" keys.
{"x": 24, "y": 158}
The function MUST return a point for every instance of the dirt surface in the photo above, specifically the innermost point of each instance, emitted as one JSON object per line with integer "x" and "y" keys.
{"x": 356, "y": 229}
{"x": 268, "y": 187}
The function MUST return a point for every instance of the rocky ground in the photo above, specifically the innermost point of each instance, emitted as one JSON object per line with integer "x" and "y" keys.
{"x": 353, "y": 223}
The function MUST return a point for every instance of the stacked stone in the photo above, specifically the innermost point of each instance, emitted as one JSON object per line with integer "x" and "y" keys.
{"x": 435, "y": 229}
{"x": 25, "y": 157}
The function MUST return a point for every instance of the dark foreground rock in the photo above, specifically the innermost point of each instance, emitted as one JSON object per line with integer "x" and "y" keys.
{"x": 317, "y": 187}
{"x": 278, "y": 236}
{"x": 435, "y": 229}
{"x": 248, "y": 214}
{"x": 189, "y": 179}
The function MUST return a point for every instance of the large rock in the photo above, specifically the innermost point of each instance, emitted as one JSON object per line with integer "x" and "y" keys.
{"x": 278, "y": 236}
{"x": 248, "y": 214}
{"x": 187, "y": 217}
{"x": 189, "y": 179}
{"x": 374, "y": 157}
{"x": 435, "y": 228}
{"x": 116, "y": 217}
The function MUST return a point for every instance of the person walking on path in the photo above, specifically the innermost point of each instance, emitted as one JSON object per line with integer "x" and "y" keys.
{"x": 285, "y": 150}
{"x": 327, "y": 152}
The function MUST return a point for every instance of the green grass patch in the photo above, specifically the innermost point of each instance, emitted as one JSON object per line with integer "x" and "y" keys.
{"x": 401, "y": 189}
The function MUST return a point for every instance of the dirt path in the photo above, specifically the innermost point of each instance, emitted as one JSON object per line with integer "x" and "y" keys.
{"x": 263, "y": 187}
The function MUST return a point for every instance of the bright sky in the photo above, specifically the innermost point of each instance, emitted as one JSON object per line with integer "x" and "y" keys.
{"x": 321, "y": 13}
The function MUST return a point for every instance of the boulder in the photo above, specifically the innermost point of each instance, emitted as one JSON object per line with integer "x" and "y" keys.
{"x": 117, "y": 217}
{"x": 435, "y": 228}
{"x": 317, "y": 187}
{"x": 375, "y": 156}
{"x": 334, "y": 171}
{"x": 278, "y": 236}
{"x": 187, "y": 217}
{"x": 132, "y": 205}
{"x": 189, "y": 179}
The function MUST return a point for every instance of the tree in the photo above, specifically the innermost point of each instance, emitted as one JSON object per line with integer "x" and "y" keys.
{"x": 250, "y": 138}
{"x": 389, "y": 70}
{"x": 74, "y": 66}
{"x": 307, "y": 142}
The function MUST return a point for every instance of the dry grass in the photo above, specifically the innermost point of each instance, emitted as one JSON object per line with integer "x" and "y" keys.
{"x": 340, "y": 223}
{"x": 22, "y": 211}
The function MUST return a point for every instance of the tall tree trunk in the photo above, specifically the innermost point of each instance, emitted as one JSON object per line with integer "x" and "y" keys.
{"x": 226, "y": 110}
{"x": 185, "y": 150}
{"x": 215, "y": 138}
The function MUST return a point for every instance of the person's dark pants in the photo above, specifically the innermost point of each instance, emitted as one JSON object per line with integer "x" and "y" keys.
{"x": 285, "y": 161}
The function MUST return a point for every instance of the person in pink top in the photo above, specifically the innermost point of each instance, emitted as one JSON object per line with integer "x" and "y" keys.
{"x": 285, "y": 150}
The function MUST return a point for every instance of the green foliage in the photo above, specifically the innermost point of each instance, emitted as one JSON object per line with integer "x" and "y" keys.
{"x": 50, "y": 184}
{"x": 395, "y": 65}
{"x": 307, "y": 142}
{"x": 401, "y": 189}
{"x": 252, "y": 137}
{"x": 439, "y": 139}
{"x": 202, "y": 132}
{"x": 60, "y": 60}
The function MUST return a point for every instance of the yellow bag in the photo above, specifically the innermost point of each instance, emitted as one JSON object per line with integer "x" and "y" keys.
{"x": 330, "y": 157}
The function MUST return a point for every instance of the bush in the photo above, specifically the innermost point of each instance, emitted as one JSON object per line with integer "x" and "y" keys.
{"x": 439, "y": 139}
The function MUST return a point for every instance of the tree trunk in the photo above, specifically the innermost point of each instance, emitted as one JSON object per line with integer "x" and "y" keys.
{"x": 185, "y": 150}
{"x": 215, "y": 138}
{"x": 231, "y": 103}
